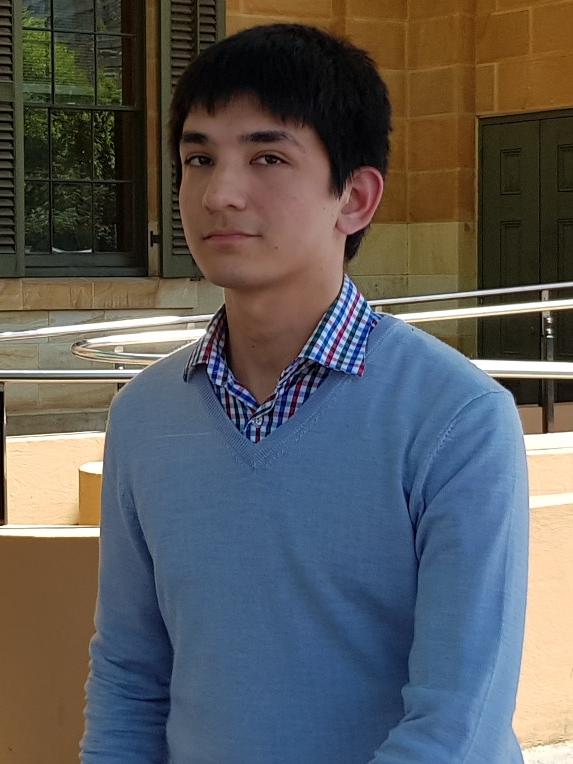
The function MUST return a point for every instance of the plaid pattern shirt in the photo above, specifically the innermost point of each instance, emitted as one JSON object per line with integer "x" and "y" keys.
{"x": 338, "y": 343}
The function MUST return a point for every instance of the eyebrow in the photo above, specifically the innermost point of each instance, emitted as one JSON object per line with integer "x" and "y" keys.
{"x": 259, "y": 136}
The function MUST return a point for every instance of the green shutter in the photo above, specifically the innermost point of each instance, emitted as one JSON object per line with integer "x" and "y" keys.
{"x": 11, "y": 142}
{"x": 187, "y": 28}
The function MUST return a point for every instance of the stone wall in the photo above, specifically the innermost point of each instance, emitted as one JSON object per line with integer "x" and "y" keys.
{"x": 37, "y": 303}
{"x": 524, "y": 56}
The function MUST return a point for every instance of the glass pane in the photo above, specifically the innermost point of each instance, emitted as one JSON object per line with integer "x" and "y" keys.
{"x": 78, "y": 15}
{"x": 113, "y": 209}
{"x": 71, "y": 144}
{"x": 72, "y": 217}
{"x": 36, "y": 13}
{"x": 37, "y": 222}
{"x": 115, "y": 16}
{"x": 74, "y": 68}
{"x": 36, "y": 152}
{"x": 114, "y": 144}
{"x": 37, "y": 65}
{"x": 115, "y": 69}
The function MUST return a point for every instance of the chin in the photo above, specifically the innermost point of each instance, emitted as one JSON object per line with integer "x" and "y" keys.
{"x": 228, "y": 278}
{"x": 232, "y": 271}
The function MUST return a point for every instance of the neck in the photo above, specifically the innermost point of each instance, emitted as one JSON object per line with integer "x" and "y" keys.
{"x": 267, "y": 329}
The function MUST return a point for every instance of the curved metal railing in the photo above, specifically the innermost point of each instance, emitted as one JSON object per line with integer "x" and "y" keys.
{"x": 95, "y": 349}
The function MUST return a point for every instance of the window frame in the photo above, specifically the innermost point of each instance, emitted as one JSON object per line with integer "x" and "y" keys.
{"x": 97, "y": 264}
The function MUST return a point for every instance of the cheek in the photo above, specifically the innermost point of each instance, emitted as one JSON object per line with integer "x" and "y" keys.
{"x": 189, "y": 205}
{"x": 307, "y": 217}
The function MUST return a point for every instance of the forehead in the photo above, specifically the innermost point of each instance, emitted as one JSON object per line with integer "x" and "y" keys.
{"x": 244, "y": 115}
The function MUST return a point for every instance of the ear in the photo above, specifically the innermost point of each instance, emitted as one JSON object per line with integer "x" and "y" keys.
{"x": 361, "y": 198}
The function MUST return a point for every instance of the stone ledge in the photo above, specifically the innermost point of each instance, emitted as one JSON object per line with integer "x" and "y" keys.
{"x": 106, "y": 293}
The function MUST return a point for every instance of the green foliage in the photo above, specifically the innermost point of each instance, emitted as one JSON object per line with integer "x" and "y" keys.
{"x": 83, "y": 142}
{"x": 73, "y": 81}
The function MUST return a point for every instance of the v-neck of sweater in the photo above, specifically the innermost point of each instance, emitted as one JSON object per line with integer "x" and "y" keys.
{"x": 256, "y": 455}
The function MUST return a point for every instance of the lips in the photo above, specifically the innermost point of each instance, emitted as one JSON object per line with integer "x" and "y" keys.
{"x": 228, "y": 234}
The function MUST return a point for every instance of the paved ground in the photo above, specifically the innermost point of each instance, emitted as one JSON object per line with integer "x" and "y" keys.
{"x": 550, "y": 754}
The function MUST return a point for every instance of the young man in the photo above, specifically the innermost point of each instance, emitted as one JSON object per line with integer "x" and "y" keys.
{"x": 314, "y": 532}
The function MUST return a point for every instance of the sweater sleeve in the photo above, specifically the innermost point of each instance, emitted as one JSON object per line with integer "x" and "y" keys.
{"x": 471, "y": 518}
{"x": 127, "y": 691}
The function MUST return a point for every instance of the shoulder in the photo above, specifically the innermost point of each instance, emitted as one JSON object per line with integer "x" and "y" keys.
{"x": 158, "y": 383}
{"x": 423, "y": 362}
{"x": 426, "y": 386}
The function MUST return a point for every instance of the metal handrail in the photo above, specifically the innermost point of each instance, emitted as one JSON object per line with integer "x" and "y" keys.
{"x": 99, "y": 326}
{"x": 87, "y": 348}
{"x": 486, "y": 311}
{"x": 119, "y": 376}
{"x": 91, "y": 348}
{"x": 152, "y": 321}
{"x": 475, "y": 293}
{"x": 524, "y": 369}
{"x": 494, "y": 367}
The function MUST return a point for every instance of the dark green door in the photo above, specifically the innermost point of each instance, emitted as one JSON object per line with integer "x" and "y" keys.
{"x": 510, "y": 242}
{"x": 556, "y": 147}
{"x": 526, "y": 235}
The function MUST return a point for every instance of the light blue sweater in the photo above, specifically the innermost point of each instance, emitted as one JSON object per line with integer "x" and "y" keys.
{"x": 351, "y": 590}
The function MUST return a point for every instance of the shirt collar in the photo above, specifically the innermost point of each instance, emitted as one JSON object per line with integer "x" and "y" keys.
{"x": 210, "y": 349}
{"x": 338, "y": 342}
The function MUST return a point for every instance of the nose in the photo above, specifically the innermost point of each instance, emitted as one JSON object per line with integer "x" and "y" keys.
{"x": 225, "y": 188}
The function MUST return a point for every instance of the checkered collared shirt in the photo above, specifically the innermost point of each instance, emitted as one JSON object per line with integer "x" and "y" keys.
{"x": 338, "y": 343}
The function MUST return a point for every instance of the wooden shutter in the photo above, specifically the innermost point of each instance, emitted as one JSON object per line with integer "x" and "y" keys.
{"x": 187, "y": 28}
{"x": 11, "y": 144}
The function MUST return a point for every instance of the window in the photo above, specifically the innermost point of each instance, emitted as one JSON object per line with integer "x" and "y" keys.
{"x": 84, "y": 170}
{"x": 84, "y": 135}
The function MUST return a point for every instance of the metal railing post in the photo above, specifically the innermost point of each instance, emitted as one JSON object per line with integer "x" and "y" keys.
{"x": 547, "y": 354}
{"x": 119, "y": 366}
{"x": 3, "y": 468}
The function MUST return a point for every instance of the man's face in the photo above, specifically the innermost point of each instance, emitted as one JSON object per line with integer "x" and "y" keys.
{"x": 255, "y": 199}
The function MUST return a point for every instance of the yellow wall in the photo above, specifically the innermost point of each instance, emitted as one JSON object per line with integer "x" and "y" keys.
{"x": 524, "y": 56}
{"x": 48, "y": 584}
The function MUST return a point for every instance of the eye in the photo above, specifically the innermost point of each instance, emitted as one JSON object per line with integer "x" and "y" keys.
{"x": 197, "y": 160}
{"x": 268, "y": 160}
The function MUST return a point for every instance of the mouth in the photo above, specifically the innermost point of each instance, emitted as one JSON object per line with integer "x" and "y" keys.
{"x": 228, "y": 238}
{"x": 230, "y": 235}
